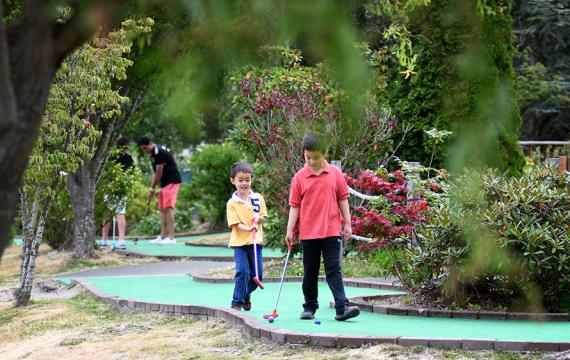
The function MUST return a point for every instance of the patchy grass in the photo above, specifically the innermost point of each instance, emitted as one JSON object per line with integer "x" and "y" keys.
{"x": 83, "y": 327}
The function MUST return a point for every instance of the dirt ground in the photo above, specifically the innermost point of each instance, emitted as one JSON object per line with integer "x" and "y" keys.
{"x": 84, "y": 328}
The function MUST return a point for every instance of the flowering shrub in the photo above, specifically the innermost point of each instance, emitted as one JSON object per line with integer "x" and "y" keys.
{"x": 392, "y": 218}
{"x": 276, "y": 106}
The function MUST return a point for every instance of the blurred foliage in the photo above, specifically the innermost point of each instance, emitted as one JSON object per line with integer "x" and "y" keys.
{"x": 115, "y": 188}
{"x": 494, "y": 236}
{"x": 211, "y": 188}
{"x": 542, "y": 30}
{"x": 154, "y": 56}
{"x": 462, "y": 78}
{"x": 197, "y": 43}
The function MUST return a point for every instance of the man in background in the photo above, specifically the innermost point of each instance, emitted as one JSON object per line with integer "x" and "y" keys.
{"x": 167, "y": 176}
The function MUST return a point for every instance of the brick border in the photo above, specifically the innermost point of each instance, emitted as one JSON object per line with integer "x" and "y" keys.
{"x": 254, "y": 328}
{"x": 365, "y": 305}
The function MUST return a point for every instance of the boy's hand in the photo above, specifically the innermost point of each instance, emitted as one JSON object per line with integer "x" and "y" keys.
{"x": 253, "y": 227}
{"x": 346, "y": 232}
{"x": 258, "y": 219}
{"x": 150, "y": 196}
{"x": 289, "y": 239}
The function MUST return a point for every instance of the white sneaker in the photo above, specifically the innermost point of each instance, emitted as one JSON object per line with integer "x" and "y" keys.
{"x": 120, "y": 245}
{"x": 167, "y": 241}
{"x": 156, "y": 241}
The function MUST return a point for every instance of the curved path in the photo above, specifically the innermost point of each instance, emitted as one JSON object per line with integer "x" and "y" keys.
{"x": 182, "y": 250}
{"x": 166, "y": 287}
{"x": 160, "y": 268}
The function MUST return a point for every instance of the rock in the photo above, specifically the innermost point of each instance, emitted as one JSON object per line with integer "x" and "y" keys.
{"x": 49, "y": 286}
{"x": 565, "y": 355}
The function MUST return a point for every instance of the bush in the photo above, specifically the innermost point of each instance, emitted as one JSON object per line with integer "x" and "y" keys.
{"x": 211, "y": 188}
{"x": 58, "y": 231}
{"x": 500, "y": 237}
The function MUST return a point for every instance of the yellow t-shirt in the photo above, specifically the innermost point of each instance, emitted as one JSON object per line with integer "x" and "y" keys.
{"x": 239, "y": 211}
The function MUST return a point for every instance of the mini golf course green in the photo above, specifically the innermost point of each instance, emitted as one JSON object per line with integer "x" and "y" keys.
{"x": 182, "y": 290}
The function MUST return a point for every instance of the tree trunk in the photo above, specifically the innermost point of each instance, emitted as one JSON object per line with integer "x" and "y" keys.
{"x": 81, "y": 189}
{"x": 32, "y": 238}
{"x": 30, "y": 52}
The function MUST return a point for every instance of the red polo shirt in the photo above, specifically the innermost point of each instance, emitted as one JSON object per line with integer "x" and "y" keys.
{"x": 317, "y": 196}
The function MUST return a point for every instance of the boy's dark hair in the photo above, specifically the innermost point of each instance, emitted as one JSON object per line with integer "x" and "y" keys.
{"x": 240, "y": 166}
{"x": 144, "y": 140}
{"x": 314, "y": 142}
{"x": 123, "y": 142}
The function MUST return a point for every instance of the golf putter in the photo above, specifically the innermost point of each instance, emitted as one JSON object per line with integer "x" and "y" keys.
{"x": 113, "y": 224}
{"x": 274, "y": 313}
{"x": 256, "y": 278}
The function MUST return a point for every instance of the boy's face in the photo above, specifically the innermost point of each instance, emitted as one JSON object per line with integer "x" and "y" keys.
{"x": 314, "y": 159}
{"x": 242, "y": 182}
{"x": 147, "y": 148}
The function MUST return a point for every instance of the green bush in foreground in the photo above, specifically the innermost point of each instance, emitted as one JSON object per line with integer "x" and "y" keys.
{"x": 500, "y": 238}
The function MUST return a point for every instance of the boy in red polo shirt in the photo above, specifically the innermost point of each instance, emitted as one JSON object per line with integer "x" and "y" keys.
{"x": 319, "y": 203}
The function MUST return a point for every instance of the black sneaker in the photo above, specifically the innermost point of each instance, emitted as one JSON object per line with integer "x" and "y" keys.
{"x": 247, "y": 304}
{"x": 349, "y": 313}
{"x": 307, "y": 315}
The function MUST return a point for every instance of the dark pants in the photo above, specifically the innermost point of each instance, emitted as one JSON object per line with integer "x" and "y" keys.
{"x": 245, "y": 272}
{"x": 330, "y": 249}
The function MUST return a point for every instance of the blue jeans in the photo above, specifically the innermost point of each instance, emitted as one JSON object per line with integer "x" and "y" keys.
{"x": 245, "y": 272}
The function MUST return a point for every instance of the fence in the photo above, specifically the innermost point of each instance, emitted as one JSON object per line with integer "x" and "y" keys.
{"x": 552, "y": 152}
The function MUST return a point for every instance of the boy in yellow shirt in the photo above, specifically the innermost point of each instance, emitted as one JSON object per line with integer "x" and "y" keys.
{"x": 245, "y": 211}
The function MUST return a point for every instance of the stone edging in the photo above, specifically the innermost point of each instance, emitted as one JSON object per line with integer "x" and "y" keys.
{"x": 190, "y": 243}
{"x": 364, "y": 305}
{"x": 254, "y": 328}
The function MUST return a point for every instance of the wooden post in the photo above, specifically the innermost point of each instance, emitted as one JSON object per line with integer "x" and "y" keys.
{"x": 530, "y": 151}
{"x": 563, "y": 163}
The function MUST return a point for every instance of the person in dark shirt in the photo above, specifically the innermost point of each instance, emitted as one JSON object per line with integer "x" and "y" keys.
{"x": 127, "y": 163}
{"x": 166, "y": 175}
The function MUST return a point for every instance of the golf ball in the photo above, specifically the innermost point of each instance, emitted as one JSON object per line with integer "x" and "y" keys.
{"x": 271, "y": 319}
{"x": 317, "y": 322}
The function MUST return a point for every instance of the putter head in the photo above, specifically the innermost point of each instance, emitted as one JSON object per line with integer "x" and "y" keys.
{"x": 273, "y": 315}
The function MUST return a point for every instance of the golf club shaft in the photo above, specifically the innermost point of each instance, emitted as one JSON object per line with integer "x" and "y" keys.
{"x": 282, "y": 277}
{"x": 255, "y": 252}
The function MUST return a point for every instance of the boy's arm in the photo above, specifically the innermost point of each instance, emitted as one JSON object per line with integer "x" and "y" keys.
{"x": 346, "y": 224}
{"x": 291, "y": 223}
{"x": 244, "y": 227}
{"x": 234, "y": 221}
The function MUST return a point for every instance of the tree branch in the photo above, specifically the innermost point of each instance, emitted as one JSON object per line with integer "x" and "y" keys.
{"x": 83, "y": 24}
